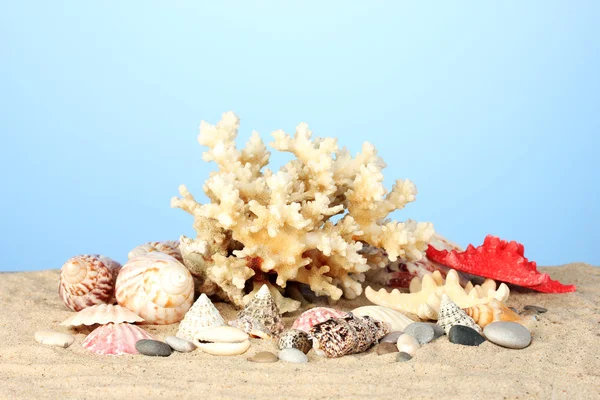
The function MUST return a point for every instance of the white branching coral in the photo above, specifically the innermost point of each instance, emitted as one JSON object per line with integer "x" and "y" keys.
{"x": 276, "y": 227}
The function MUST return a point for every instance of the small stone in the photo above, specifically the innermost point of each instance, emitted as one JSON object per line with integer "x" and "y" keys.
{"x": 408, "y": 344}
{"x": 154, "y": 348}
{"x": 391, "y": 337}
{"x": 460, "y": 334}
{"x": 539, "y": 310}
{"x": 422, "y": 332}
{"x": 179, "y": 344}
{"x": 386, "y": 348}
{"x": 402, "y": 356}
{"x": 514, "y": 309}
{"x": 53, "y": 338}
{"x": 508, "y": 334}
{"x": 437, "y": 330}
{"x": 293, "y": 356}
{"x": 263, "y": 357}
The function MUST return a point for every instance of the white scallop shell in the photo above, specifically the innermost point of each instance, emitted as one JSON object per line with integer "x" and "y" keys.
{"x": 115, "y": 339}
{"x": 395, "y": 319}
{"x": 168, "y": 247}
{"x": 102, "y": 314}
{"x": 156, "y": 287}
{"x": 203, "y": 314}
{"x": 87, "y": 280}
{"x": 451, "y": 314}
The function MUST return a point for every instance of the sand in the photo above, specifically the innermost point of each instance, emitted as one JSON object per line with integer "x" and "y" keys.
{"x": 562, "y": 362}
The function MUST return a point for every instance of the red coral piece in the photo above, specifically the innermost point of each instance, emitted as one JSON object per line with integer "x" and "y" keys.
{"x": 500, "y": 260}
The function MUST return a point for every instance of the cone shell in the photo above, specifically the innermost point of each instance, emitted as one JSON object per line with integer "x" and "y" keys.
{"x": 261, "y": 310}
{"x": 88, "y": 280}
{"x": 295, "y": 339}
{"x": 156, "y": 287}
{"x": 202, "y": 315}
{"x": 314, "y": 316}
{"x": 115, "y": 339}
{"x": 450, "y": 314}
{"x": 484, "y": 314}
{"x": 102, "y": 314}
{"x": 396, "y": 320}
{"x": 337, "y": 337}
{"x": 168, "y": 247}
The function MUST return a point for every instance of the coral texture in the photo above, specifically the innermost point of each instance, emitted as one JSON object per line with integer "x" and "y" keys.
{"x": 273, "y": 227}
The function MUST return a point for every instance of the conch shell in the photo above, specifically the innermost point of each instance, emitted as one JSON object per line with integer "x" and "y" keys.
{"x": 156, "y": 287}
{"x": 168, "y": 247}
{"x": 202, "y": 315}
{"x": 451, "y": 314}
{"x": 495, "y": 310}
{"x": 102, "y": 314}
{"x": 260, "y": 315}
{"x": 87, "y": 280}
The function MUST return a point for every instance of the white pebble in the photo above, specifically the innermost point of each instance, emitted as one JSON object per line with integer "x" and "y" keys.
{"x": 293, "y": 356}
{"x": 53, "y": 338}
{"x": 408, "y": 344}
{"x": 179, "y": 344}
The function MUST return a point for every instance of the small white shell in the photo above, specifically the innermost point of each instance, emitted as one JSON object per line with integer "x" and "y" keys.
{"x": 202, "y": 315}
{"x": 102, "y": 314}
{"x": 115, "y": 339}
{"x": 395, "y": 319}
{"x": 168, "y": 247}
{"x": 222, "y": 341}
{"x": 87, "y": 280}
{"x": 156, "y": 287}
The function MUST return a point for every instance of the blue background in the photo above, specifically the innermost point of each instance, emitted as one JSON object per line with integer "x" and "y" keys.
{"x": 492, "y": 110}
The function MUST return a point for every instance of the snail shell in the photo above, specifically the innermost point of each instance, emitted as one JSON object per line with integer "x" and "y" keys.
{"x": 495, "y": 310}
{"x": 88, "y": 280}
{"x": 156, "y": 287}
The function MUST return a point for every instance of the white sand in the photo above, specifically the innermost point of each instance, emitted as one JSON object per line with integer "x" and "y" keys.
{"x": 562, "y": 362}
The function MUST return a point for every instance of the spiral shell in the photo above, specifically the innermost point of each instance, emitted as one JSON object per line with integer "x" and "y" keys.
{"x": 156, "y": 287}
{"x": 168, "y": 247}
{"x": 88, "y": 280}
{"x": 484, "y": 314}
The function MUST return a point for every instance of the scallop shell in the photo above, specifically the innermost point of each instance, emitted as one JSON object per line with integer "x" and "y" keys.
{"x": 337, "y": 337}
{"x": 295, "y": 339}
{"x": 156, "y": 287}
{"x": 203, "y": 314}
{"x": 261, "y": 311}
{"x": 314, "y": 316}
{"x": 115, "y": 339}
{"x": 396, "y": 320}
{"x": 450, "y": 314}
{"x": 168, "y": 247}
{"x": 495, "y": 310}
{"x": 87, "y": 280}
{"x": 102, "y": 314}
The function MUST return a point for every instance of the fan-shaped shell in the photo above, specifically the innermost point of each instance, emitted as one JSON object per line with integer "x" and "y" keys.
{"x": 203, "y": 314}
{"x": 102, "y": 314}
{"x": 168, "y": 247}
{"x": 115, "y": 339}
{"x": 484, "y": 314}
{"x": 316, "y": 315}
{"x": 396, "y": 320}
{"x": 88, "y": 280}
{"x": 156, "y": 287}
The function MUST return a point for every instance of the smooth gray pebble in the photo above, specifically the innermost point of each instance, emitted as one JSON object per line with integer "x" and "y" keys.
{"x": 402, "y": 356}
{"x": 179, "y": 344}
{"x": 508, "y": 334}
{"x": 391, "y": 337}
{"x": 538, "y": 309}
{"x": 155, "y": 348}
{"x": 424, "y": 333}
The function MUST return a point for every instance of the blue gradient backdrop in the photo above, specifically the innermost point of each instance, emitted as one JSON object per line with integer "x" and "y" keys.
{"x": 491, "y": 108}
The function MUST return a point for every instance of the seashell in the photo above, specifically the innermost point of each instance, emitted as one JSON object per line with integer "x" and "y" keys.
{"x": 337, "y": 337}
{"x": 451, "y": 314}
{"x": 115, "y": 339}
{"x": 295, "y": 339}
{"x": 156, "y": 287}
{"x": 260, "y": 314}
{"x": 222, "y": 341}
{"x": 252, "y": 327}
{"x": 495, "y": 310}
{"x": 87, "y": 280}
{"x": 53, "y": 338}
{"x": 396, "y": 320}
{"x": 202, "y": 315}
{"x": 102, "y": 314}
{"x": 425, "y": 301}
{"x": 168, "y": 247}
{"x": 314, "y": 316}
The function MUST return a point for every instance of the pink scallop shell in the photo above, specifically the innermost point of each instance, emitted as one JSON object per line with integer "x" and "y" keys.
{"x": 115, "y": 339}
{"x": 102, "y": 314}
{"x": 314, "y": 316}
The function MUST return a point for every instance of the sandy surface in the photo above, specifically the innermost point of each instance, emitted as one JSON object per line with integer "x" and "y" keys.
{"x": 562, "y": 362}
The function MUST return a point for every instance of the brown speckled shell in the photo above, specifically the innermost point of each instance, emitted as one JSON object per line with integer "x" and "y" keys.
{"x": 295, "y": 339}
{"x": 88, "y": 280}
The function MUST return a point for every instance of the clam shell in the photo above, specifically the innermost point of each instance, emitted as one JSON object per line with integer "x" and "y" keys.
{"x": 450, "y": 314}
{"x": 395, "y": 319}
{"x": 156, "y": 287}
{"x": 102, "y": 314}
{"x": 484, "y": 314}
{"x": 314, "y": 316}
{"x": 222, "y": 341}
{"x": 203, "y": 314}
{"x": 87, "y": 280}
{"x": 168, "y": 247}
{"x": 115, "y": 339}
